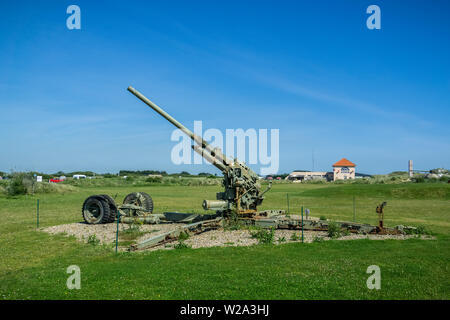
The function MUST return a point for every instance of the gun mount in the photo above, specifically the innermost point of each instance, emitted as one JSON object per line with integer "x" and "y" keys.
{"x": 242, "y": 189}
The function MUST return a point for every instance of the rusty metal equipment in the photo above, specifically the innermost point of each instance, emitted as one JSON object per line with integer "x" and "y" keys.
{"x": 242, "y": 190}
{"x": 292, "y": 222}
{"x": 102, "y": 208}
{"x": 170, "y": 236}
{"x": 137, "y": 207}
{"x": 380, "y": 211}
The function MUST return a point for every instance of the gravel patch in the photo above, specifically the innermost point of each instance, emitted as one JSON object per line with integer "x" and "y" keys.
{"x": 237, "y": 238}
{"x": 106, "y": 233}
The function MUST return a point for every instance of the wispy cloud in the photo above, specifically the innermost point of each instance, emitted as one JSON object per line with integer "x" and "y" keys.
{"x": 341, "y": 100}
{"x": 255, "y": 67}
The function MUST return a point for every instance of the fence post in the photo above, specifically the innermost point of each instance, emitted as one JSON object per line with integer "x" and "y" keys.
{"x": 37, "y": 214}
{"x": 302, "y": 224}
{"x": 287, "y": 197}
{"x": 117, "y": 230}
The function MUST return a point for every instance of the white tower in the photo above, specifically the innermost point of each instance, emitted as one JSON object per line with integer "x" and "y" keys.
{"x": 410, "y": 168}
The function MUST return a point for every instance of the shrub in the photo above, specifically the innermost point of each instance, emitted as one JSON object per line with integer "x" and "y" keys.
{"x": 264, "y": 236}
{"x": 46, "y": 187}
{"x": 181, "y": 245}
{"x": 25, "y": 183}
{"x": 362, "y": 181}
{"x": 154, "y": 180}
{"x": 17, "y": 185}
{"x": 419, "y": 230}
{"x": 323, "y": 218}
{"x": 419, "y": 179}
{"x": 398, "y": 173}
{"x": 334, "y": 230}
{"x": 183, "y": 236}
{"x": 233, "y": 222}
{"x": 92, "y": 240}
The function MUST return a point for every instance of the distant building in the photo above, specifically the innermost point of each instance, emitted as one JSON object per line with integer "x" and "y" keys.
{"x": 343, "y": 169}
{"x": 299, "y": 176}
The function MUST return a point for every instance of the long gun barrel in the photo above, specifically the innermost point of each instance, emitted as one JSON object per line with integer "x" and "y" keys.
{"x": 242, "y": 187}
{"x": 214, "y": 156}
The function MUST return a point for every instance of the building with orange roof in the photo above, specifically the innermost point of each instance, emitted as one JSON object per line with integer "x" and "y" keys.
{"x": 343, "y": 170}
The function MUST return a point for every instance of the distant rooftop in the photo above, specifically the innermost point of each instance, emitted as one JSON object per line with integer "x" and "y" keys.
{"x": 344, "y": 163}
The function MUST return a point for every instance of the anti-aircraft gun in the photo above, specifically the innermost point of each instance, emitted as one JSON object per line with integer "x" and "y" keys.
{"x": 242, "y": 195}
{"x": 242, "y": 192}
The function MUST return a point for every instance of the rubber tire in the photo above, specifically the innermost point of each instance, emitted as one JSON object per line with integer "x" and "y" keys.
{"x": 103, "y": 205}
{"x": 112, "y": 207}
{"x": 140, "y": 199}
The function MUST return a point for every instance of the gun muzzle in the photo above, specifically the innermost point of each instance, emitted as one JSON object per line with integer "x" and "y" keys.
{"x": 214, "y": 205}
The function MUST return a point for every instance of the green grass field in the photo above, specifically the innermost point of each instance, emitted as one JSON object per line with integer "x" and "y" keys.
{"x": 33, "y": 264}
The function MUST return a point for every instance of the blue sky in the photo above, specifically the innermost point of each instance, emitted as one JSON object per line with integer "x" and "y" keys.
{"x": 309, "y": 68}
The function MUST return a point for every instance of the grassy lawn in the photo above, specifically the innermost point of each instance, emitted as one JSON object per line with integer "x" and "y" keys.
{"x": 33, "y": 264}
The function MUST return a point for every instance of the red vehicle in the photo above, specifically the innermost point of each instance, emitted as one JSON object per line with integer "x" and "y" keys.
{"x": 55, "y": 180}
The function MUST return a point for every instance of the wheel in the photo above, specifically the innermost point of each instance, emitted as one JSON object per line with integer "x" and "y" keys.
{"x": 140, "y": 199}
{"x": 112, "y": 207}
{"x": 96, "y": 210}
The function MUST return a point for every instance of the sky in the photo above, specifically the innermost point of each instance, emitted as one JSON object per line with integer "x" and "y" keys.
{"x": 311, "y": 69}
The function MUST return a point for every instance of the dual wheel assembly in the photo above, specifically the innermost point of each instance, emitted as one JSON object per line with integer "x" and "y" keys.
{"x": 101, "y": 208}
